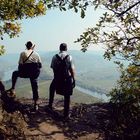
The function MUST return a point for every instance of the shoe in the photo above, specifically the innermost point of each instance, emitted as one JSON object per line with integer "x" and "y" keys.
{"x": 11, "y": 93}
{"x": 48, "y": 108}
{"x": 36, "y": 107}
{"x": 66, "y": 117}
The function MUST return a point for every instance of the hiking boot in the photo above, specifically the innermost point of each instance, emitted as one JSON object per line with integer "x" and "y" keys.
{"x": 36, "y": 107}
{"x": 66, "y": 118}
{"x": 11, "y": 93}
{"x": 49, "y": 108}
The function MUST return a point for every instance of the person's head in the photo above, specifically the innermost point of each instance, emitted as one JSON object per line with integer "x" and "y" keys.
{"x": 29, "y": 45}
{"x": 63, "y": 47}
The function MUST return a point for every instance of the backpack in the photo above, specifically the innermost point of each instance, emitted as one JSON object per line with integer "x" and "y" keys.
{"x": 29, "y": 70}
{"x": 63, "y": 81}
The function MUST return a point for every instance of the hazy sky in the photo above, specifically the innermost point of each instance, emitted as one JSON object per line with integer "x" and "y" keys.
{"x": 48, "y": 31}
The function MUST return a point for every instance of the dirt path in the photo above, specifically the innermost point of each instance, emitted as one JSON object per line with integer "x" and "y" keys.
{"x": 48, "y": 124}
{"x": 86, "y": 122}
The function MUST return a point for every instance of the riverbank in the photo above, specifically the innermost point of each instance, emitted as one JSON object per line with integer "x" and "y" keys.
{"x": 26, "y": 85}
{"x": 100, "y": 96}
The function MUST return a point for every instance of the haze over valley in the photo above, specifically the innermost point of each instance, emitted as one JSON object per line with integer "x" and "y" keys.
{"x": 93, "y": 72}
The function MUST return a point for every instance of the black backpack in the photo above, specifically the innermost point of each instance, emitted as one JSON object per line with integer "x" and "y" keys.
{"x": 62, "y": 77}
{"x": 29, "y": 70}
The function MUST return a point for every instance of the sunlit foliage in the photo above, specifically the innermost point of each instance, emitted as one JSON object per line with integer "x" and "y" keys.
{"x": 11, "y": 11}
{"x": 118, "y": 30}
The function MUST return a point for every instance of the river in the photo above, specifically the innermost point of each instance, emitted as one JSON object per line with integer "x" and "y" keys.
{"x": 101, "y": 96}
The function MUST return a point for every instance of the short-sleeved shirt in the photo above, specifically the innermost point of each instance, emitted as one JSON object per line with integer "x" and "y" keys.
{"x": 62, "y": 54}
{"x": 34, "y": 58}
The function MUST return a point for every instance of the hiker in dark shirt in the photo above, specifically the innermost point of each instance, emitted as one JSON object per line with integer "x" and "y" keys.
{"x": 29, "y": 67}
{"x": 62, "y": 84}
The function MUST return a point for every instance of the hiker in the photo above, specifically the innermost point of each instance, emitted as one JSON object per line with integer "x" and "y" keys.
{"x": 29, "y": 67}
{"x": 64, "y": 77}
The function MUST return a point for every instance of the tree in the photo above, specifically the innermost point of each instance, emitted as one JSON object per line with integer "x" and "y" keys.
{"x": 13, "y": 11}
{"x": 118, "y": 30}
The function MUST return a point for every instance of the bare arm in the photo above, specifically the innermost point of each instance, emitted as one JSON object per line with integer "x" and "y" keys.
{"x": 72, "y": 71}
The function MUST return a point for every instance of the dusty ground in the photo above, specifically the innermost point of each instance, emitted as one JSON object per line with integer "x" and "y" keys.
{"x": 86, "y": 122}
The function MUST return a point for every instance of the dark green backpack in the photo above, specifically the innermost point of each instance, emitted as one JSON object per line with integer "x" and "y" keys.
{"x": 62, "y": 77}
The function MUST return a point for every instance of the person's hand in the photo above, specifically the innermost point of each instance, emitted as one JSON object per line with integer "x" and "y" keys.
{"x": 73, "y": 83}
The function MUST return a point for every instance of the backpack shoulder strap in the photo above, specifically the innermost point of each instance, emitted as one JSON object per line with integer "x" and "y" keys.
{"x": 66, "y": 57}
{"x": 28, "y": 57}
{"x": 59, "y": 58}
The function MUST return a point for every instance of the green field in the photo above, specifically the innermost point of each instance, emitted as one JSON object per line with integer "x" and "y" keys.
{"x": 23, "y": 89}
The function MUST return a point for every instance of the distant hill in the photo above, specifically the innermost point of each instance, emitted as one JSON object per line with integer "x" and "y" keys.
{"x": 92, "y": 70}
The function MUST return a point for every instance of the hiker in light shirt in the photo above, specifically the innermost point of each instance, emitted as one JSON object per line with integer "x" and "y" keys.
{"x": 29, "y": 67}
